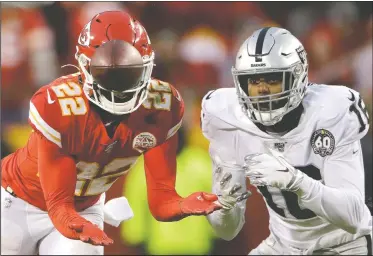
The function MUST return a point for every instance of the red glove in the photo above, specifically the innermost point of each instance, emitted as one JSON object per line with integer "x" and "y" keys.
{"x": 90, "y": 233}
{"x": 199, "y": 203}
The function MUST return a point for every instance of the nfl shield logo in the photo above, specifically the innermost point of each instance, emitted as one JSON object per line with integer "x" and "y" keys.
{"x": 280, "y": 146}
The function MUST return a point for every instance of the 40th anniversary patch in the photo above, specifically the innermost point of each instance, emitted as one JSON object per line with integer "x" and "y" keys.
{"x": 322, "y": 142}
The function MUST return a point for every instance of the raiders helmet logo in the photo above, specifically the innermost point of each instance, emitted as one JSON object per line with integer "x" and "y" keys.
{"x": 302, "y": 54}
{"x": 322, "y": 142}
{"x": 144, "y": 141}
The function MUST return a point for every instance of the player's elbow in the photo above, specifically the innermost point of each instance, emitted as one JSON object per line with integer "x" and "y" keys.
{"x": 353, "y": 225}
{"x": 164, "y": 217}
{"x": 159, "y": 217}
{"x": 165, "y": 211}
{"x": 356, "y": 214}
{"x": 157, "y": 213}
{"x": 227, "y": 236}
{"x": 225, "y": 230}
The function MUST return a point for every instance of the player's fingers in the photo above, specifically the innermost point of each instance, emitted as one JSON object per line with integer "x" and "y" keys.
{"x": 254, "y": 173}
{"x": 215, "y": 207}
{"x": 225, "y": 180}
{"x": 234, "y": 189}
{"x": 104, "y": 240}
{"x": 209, "y": 197}
{"x": 84, "y": 238}
{"x": 107, "y": 241}
{"x": 218, "y": 173}
{"x": 244, "y": 196}
{"x": 218, "y": 204}
{"x": 94, "y": 241}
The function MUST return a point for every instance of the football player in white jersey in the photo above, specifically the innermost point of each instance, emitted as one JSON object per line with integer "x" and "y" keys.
{"x": 297, "y": 142}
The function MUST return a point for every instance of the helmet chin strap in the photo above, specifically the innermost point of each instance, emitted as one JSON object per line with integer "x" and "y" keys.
{"x": 118, "y": 107}
{"x": 268, "y": 118}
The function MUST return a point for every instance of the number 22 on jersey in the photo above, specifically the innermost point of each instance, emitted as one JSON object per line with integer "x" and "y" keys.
{"x": 160, "y": 96}
{"x": 70, "y": 99}
{"x": 93, "y": 180}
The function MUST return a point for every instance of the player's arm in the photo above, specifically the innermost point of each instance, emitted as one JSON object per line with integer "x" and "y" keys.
{"x": 164, "y": 202}
{"x": 160, "y": 168}
{"x": 57, "y": 174}
{"x": 228, "y": 221}
{"x": 229, "y": 183}
{"x": 341, "y": 198}
{"x": 57, "y": 170}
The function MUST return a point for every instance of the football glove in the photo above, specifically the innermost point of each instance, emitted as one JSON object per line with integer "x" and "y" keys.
{"x": 90, "y": 233}
{"x": 272, "y": 170}
{"x": 199, "y": 203}
{"x": 230, "y": 193}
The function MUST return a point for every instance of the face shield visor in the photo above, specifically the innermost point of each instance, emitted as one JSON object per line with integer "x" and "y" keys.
{"x": 118, "y": 77}
{"x": 266, "y": 96}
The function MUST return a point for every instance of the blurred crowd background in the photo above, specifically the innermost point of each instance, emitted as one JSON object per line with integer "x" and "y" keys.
{"x": 195, "y": 45}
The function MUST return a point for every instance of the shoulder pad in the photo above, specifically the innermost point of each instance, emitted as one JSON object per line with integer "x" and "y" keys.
{"x": 343, "y": 113}
{"x": 217, "y": 100}
{"x": 216, "y": 110}
{"x": 164, "y": 97}
{"x": 54, "y": 108}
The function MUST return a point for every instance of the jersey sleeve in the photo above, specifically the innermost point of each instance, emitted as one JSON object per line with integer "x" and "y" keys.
{"x": 355, "y": 121}
{"x": 177, "y": 113}
{"x": 346, "y": 157}
{"x": 210, "y": 108}
{"x": 351, "y": 123}
{"x": 45, "y": 117}
{"x": 205, "y": 115}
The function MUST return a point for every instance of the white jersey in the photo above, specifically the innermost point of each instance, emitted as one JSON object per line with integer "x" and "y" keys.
{"x": 326, "y": 139}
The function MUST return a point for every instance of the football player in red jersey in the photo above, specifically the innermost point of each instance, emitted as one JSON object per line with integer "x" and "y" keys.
{"x": 88, "y": 129}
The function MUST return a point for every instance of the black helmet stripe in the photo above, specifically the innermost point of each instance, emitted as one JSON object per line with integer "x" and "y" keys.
{"x": 260, "y": 41}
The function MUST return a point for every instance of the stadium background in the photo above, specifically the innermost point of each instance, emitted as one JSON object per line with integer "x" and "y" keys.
{"x": 195, "y": 45}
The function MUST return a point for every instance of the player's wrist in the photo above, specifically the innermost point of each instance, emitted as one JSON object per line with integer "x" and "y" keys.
{"x": 304, "y": 187}
{"x": 227, "y": 203}
{"x": 296, "y": 180}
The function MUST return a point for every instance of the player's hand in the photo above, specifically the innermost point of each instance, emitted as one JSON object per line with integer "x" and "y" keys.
{"x": 230, "y": 193}
{"x": 199, "y": 203}
{"x": 90, "y": 233}
{"x": 272, "y": 170}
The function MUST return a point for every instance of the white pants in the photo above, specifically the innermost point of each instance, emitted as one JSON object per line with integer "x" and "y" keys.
{"x": 271, "y": 246}
{"x": 27, "y": 230}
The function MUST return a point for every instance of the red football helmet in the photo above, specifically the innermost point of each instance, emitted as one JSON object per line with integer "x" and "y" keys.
{"x": 116, "y": 61}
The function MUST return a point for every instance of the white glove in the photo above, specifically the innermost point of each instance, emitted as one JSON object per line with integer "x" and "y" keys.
{"x": 272, "y": 170}
{"x": 117, "y": 210}
{"x": 229, "y": 194}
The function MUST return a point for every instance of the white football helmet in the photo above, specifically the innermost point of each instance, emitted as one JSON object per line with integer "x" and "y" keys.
{"x": 271, "y": 53}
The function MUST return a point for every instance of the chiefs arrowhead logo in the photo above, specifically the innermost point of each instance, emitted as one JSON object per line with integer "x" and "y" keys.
{"x": 85, "y": 35}
{"x": 144, "y": 141}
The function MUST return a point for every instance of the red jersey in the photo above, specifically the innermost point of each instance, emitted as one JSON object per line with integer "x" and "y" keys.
{"x": 62, "y": 114}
